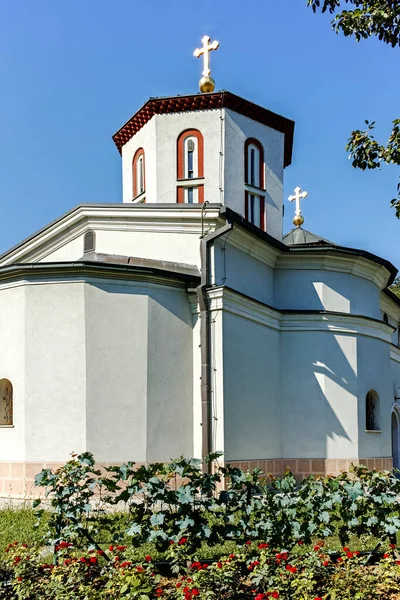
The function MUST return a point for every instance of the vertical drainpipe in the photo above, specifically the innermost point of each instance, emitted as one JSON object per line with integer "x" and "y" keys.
{"x": 205, "y": 338}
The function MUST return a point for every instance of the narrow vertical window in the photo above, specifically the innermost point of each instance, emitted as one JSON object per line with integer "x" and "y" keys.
{"x": 6, "y": 402}
{"x": 252, "y": 166}
{"x": 372, "y": 411}
{"x": 190, "y": 158}
{"x": 254, "y": 183}
{"x": 190, "y": 163}
{"x": 138, "y": 173}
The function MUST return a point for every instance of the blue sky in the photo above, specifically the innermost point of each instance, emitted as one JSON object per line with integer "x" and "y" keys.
{"x": 73, "y": 72}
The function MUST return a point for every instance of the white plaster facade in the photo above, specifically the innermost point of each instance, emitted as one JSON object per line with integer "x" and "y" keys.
{"x": 103, "y": 348}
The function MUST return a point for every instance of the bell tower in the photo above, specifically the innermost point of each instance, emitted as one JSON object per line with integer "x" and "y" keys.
{"x": 211, "y": 146}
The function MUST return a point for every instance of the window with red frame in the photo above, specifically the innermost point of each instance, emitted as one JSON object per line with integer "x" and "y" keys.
{"x": 138, "y": 175}
{"x": 254, "y": 180}
{"x": 190, "y": 162}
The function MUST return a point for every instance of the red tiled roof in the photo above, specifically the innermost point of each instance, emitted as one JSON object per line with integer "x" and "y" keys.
{"x": 175, "y": 104}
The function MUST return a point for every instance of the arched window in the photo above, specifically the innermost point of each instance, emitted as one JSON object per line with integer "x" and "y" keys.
{"x": 89, "y": 241}
{"x": 372, "y": 412}
{"x": 190, "y": 167}
{"x": 6, "y": 402}
{"x": 138, "y": 175}
{"x": 254, "y": 180}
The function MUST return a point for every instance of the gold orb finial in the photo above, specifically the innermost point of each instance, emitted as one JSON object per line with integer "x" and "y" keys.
{"x": 298, "y": 220}
{"x": 206, "y": 83}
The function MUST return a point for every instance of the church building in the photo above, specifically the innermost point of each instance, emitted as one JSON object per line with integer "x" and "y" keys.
{"x": 182, "y": 321}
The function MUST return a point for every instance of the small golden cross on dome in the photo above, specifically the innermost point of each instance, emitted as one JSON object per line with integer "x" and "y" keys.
{"x": 298, "y": 195}
{"x": 206, "y": 83}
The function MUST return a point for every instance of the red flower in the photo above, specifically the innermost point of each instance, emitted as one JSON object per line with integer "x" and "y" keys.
{"x": 185, "y": 590}
{"x": 356, "y": 552}
{"x": 231, "y": 556}
{"x": 318, "y": 598}
{"x": 195, "y": 592}
{"x": 111, "y": 548}
{"x": 17, "y": 559}
{"x": 82, "y": 559}
{"x": 300, "y": 542}
{"x": 100, "y": 552}
{"x": 219, "y": 565}
{"x": 340, "y": 559}
{"x": 159, "y": 592}
{"x": 93, "y": 560}
{"x": 346, "y": 549}
{"x": 147, "y": 558}
{"x": 288, "y": 567}
{"x": 275, "y": 594}
{"x": 397, "y": 562}
{"x": 178, "y": 585}
{"x": 326, "y": 563}
{"x": 349, "y": 554}
{"x": 126, "y": 563}
{"x": 121, "y": 548}
{"x": 139, "y": 569}
{"x": 182, "y": 541}
{"x": 259, "y": 597}
{"x": 19, "y": 578}
{"x": 261, "y": 546}
{"x": 293, "y": 570}
{"x": 317, "y": 548}
{"x": 248, "y": 543}
{"x": 386, "y": 555}
{"x": 392, "y": 546}
{"x": 65, "y": 545}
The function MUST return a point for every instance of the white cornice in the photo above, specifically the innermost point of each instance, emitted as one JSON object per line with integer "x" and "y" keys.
{"x": 330, "y": 261}
{"x": 253, "y": 246}
{"x": 229, "y": 301}
{"x": 390, "y": 307}
{"x": 395, "y": 353}
{"x": 114, "y": 218}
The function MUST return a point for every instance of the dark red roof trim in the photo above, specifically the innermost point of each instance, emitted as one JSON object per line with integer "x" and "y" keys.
{"x": 175, "y": 104}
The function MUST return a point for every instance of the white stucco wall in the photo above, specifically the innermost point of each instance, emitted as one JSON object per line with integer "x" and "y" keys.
{"x": 169, "y": 375}
{"x": 319, "y": 394}
{"x": 374, "y": 368}
{"x": 116, "y": 317}
{"x": 316, "y": 289}
{"x": 251, "y": 389}
{"x": 12, "y": 367}
{"x": 237, "y": 129}
{"x": 55, "y": 371}
{"x": 241, "y": 272}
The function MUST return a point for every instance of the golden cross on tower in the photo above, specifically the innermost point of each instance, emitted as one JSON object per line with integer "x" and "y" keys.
{"x": 298, "y": 195}
{"x": 206, "y": 83}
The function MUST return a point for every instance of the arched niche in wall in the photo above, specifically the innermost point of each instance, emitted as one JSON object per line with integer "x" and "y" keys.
{"x": 6, "y": 402}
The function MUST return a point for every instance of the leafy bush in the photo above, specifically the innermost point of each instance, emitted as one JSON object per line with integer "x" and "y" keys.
{"x": 165, "y": 502}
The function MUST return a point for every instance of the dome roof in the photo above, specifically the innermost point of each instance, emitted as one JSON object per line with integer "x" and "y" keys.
{"x": 299, "y": 236}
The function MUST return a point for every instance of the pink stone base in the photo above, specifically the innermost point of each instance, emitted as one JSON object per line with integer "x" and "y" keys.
{"x": 302, "y": 467}
{"x": 17, "y": 478}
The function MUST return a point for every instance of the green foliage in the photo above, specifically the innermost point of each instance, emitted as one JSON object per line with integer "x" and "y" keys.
{"x": 395, "y": 287}
{"x": 381, "y": 19}
{"x": 366, "y": 153}
{"x": 179, "y": 509}
{"x": 19, "y": 524}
